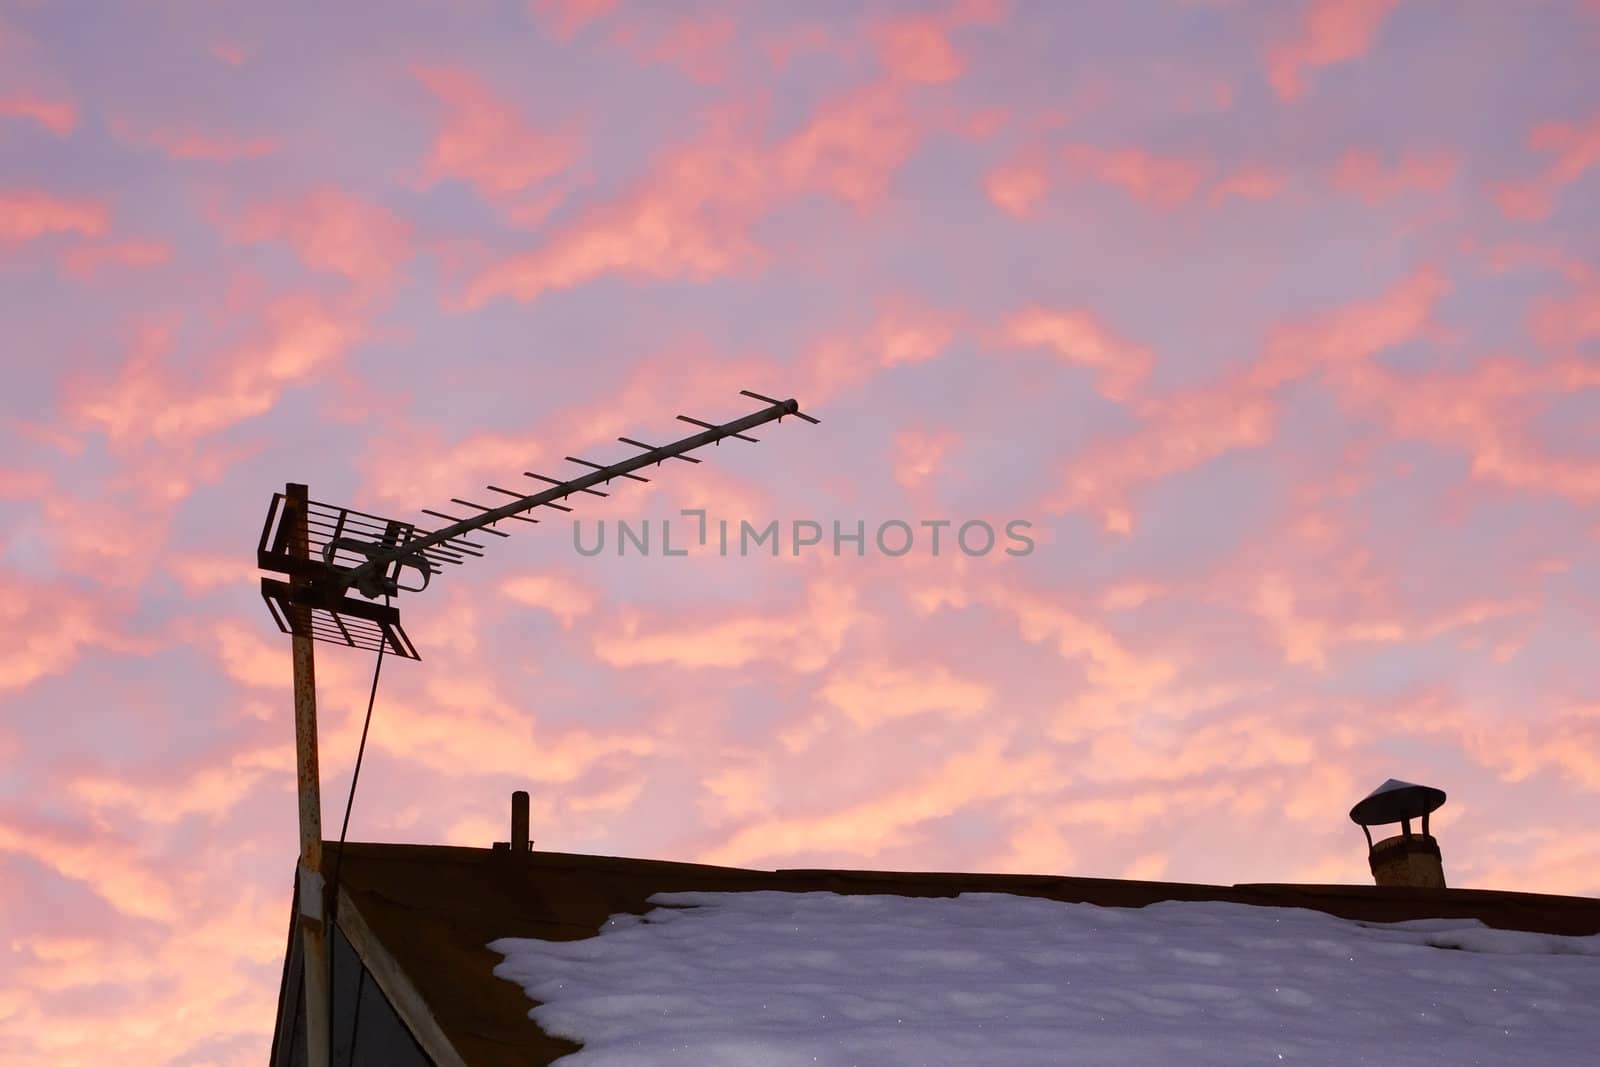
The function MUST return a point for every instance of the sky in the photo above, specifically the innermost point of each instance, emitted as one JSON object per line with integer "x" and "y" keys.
{"x": 774, "y": 979}
{"x": 1278, "y": 323}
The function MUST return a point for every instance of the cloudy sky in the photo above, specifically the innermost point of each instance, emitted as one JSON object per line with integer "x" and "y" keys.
{"x": 1279, "y": 322}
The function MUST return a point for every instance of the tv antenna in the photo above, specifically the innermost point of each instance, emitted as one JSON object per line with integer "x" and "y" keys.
{"x": 324, "y": 553}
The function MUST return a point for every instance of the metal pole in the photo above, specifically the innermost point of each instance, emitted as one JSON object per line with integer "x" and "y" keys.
{"x": 313, "y": 928}
{"x": 519, "y": 821}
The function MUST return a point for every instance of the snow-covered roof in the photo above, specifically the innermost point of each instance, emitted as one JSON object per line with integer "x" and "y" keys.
{"x": 1097, "y": 965}
{"x": 771, "y": 978}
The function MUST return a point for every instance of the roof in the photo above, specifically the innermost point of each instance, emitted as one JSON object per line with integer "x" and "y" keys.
{"x": 421, "y": 917}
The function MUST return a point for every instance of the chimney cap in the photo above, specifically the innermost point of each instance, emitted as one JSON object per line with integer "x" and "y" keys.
{"x": 1396, "y": 801}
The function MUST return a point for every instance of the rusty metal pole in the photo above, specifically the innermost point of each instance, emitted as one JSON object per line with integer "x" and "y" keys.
{"x": 313, "y": 925}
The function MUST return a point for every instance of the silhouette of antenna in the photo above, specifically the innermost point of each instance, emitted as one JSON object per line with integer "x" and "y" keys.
{"x": 324, "y": 551}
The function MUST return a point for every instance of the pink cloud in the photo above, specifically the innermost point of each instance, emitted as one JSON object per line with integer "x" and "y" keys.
{"x": 1361, "y": 172}
{"x": 867, "y": 827}
{"x": 203, "y": 572}
{"x": 852, "y": 147}
{"x": 919, "y": 455}
{"x": 1017, "y": 188}
{"x": 333, "y": 231}
{"x": 85, "y": 261}
{"x": 1178, "y": 434}
{"x": 18, "y": 484}
{"x": 1182, "y": 430}
{"x": 917, "y": 48}
{"x": 1344, "y": 338}
{"x": 51, "y": 627}
{"x": 875, "y": 692}
{"x": 59, "y": 116}
{"x": 559, "y": 594}
{"x": 227, "y": 52}
{"x": 113, "y": 870}
{"x": 565, "y": 18}
{"x": 1163, "y": 181}
{"x": 1247, "y": 183}
{"x": 486, "y": 141}
{"x": 1484, "y": 411}
{"x": 148, "y": 401}
{"x": 1078, "y": 337}
{"x": 701, "y": 48}
{"x": 902, "y": 333}
{"x": 693, "y": 216}
{"x": 1564, "y": 322}
{"x": 802, "y": 638}
{"x": 27, "y": 213}
{"x": 785, "y": 46}
{"x": 186, "y": 143}
{"x": 1573, "y": 149}
{"x": 1330, "y": 32}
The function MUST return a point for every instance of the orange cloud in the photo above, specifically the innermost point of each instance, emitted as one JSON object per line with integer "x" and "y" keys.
{"x": 1573, "y": 149}
{"x": 1330, "y": 32}
{"x": 333, "y": 231}
{"x": 1078, "y": 337}
{"x": 300, "y": 339}
{"x": 871, "y": 693}
{"x": 804, "y": 638}
{"x": 110, "y": 868}
{"x": 57, "y": 116}
{"x": 485, "y": 141}
{"x": 86, "y": 261}
{"x": 201, "y": 572}
{"x": 212, "y": 791}
{"x": 50, "y": 628}
{"x": 1360, "y": 172}
{"x": 867, "y": 827}
{"x": 1307, "y": 636}
{"x": 26, "y": 214}
{"x": 1163, "y": 181}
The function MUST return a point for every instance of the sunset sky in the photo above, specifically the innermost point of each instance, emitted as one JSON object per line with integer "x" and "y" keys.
{"x": 1279, "y": 321}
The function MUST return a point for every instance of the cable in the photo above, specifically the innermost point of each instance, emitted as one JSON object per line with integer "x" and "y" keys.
{"x": 338, "y": 859}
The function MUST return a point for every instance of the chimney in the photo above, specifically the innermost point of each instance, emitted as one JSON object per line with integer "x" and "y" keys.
{"x": 1407, "y": 859}
{"x": 519, "y": 821}
{"x": 520, "y": 842}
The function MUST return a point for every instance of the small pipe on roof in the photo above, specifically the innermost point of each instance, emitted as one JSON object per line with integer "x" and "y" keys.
{"x": 519, "y": 821}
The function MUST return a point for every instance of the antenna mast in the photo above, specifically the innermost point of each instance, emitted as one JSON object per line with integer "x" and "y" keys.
{"x": 323, "y": 552}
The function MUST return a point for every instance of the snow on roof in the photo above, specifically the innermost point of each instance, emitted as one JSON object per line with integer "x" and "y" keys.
{"x": 770, "y": 979}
